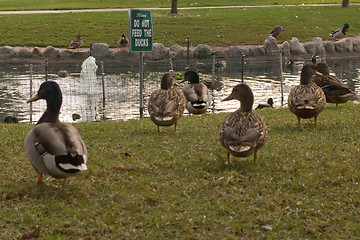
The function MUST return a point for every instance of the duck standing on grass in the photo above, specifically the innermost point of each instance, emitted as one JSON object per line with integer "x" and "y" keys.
{"x": 53, "y": 147}
{"x": 77, "y": 42}
{"x": 277, "y": 30}
{"x": 306, "y": 100}
{"x": 198, "y": 98}
{"x": 166, "y": 105}
{"x": 334, "y": 89}
{"x": 340, "y": 32}
{"x": 242, "y": 133}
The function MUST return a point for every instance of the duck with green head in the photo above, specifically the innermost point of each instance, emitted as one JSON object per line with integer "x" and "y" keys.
{"x": 243, "y": 132}
{"x": 53, "y": 147}
{"x": 306, "y": 100}
{"x": 340, "y": 32}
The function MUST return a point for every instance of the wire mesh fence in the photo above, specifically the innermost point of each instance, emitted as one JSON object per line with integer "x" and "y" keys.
{"x": 114, "y": 92}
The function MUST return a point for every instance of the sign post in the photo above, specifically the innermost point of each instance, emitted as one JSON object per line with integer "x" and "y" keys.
{"x": 141, "y": 40}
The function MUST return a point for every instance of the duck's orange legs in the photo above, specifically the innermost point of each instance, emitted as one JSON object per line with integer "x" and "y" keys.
{"x": 39, "y": 180}
{"x": 255, "y": 156}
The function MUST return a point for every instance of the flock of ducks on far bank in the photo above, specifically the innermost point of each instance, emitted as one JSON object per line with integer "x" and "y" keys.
{"x": 77, "y": 42}
{"x": 56, "y": 148}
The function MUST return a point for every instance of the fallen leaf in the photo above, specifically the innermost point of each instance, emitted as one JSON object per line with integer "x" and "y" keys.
{"x": 33, "y": 234}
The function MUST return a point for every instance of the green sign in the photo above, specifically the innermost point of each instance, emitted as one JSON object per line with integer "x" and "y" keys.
{"x": 140, "y": 30}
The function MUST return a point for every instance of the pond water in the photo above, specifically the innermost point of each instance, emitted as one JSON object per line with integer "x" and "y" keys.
{"x": 115, "y": 91}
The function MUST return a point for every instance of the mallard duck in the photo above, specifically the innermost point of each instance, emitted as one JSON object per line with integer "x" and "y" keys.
{"x": 295, "y": 64}
{"x": 306, "y": 100}
{"x": 198, "y": 98}
{"x": 277, "y": 30}
{"x": 335, "y": 90}
{"x": 53, "y": 147}
{"x": 77, "y": 42}
{"x": 63, "y": 73}
{"x": 268, "y": 104}
{"x": 123, "y": 42}
{"x": 217, "y": 85}
{"x": 11, "y": 119}
{"x": 166, "y": 105}
{"x": 243, "y": 132}
{"x": 340, "y": 32}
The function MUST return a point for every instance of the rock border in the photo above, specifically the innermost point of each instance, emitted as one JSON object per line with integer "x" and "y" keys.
{"x": 347, "y": 47}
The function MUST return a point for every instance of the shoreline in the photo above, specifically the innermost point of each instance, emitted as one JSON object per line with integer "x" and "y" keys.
{"x": 344, "y": 48}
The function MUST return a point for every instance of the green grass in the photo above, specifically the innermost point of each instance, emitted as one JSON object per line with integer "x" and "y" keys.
{"x": 215, "y": 27}
{"x": 305, "y": 184}
{"x": 79, "y": 4}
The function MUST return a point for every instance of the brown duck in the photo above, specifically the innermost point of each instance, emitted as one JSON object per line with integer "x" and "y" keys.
{"x": 166, "y": 105}
{"x": 243, "y": 132}
{"x": 306, "y": 100}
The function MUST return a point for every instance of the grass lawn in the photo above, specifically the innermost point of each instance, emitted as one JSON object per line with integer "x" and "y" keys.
{"x": 79, "y": 4}
{"x": 215, "y": 27}
{"x": 305, "y": 184}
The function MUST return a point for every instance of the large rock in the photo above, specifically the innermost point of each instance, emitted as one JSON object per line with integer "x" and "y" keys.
{"x": 158, "y": 52}
{"x": 50, "y": 53}
{"x": 24, "y": 53}
{"x": 329, "y": 47}
{"x": 319, "y": 45}
{"x": 237, "y": 51}
{"x": 124, "y": 56}
{"x": 270, "y": 46}
{"x": 296, "y": 48}
{"x": 343, "y": 45}
{"x": 202, "y": 51}
{"x": 285, "y": 48}
{"x": 356, "y": 44}
{"x": 7, "y": 52}
{"x": 66, "y": 54}
{"x": 100, "y": 50}
{"x": 256, "y": 51}
{"x": 219, "y": 54}
{"x": 310, "y": 48}
{"x": 177, "y": 51}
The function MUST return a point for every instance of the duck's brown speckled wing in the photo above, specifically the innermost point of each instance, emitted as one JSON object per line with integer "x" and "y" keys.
{"x": 306, "y": 101}
{"x": 243, "y": 133}
{"x": 165, "y": 107}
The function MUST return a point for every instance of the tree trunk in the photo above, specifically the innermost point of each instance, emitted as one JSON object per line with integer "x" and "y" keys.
{"x": 174, "y": 7}
{"x": 345, "y": 3}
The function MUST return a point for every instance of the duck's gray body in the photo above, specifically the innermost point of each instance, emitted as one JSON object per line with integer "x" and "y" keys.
{"x": 53, "y": 147}
{"x": 198, "y": 98}
{"x": 56, "y": 149}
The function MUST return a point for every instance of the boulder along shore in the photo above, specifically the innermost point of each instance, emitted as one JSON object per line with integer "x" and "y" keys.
{"x": 344, "y": 48}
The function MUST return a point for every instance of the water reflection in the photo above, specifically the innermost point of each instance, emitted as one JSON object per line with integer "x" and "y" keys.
{"x": 121, "y": 84}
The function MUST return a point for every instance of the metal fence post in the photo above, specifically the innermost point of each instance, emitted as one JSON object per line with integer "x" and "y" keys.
{"x": 213, "y": 83}
{"x": 242, "y": 67}
{"x": 282, "y": 81}
{"x": 103, "y": 87}
{"x": 141, "y": 85}
{"x": 187, "y": 53}
{"x": 46, "y": 69}
{"x": 31, "y": 83}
